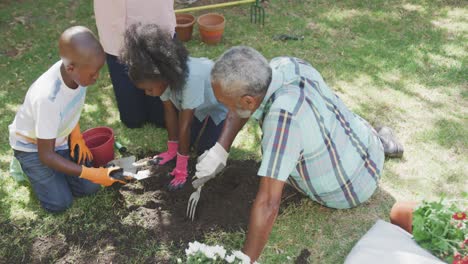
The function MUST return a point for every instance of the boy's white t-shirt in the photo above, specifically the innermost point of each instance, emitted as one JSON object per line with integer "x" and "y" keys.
{"x": 50, "y": 110}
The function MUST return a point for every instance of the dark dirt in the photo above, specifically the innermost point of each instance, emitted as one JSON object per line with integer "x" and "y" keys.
{"x": 146, "y": 212}
{"x": 45, "y": 249}
{"x": 224, "y": 203}
{"x": 303, "y": 258}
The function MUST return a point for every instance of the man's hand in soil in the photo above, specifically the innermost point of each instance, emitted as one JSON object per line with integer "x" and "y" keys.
{"x": 214, "y": 160}
{"x": 263, "y": 216}
{"x": 101, "y": 176}
{"x": 209, "y": 164}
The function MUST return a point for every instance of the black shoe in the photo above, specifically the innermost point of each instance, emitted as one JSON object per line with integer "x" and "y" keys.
{"x": 392, "y": 147}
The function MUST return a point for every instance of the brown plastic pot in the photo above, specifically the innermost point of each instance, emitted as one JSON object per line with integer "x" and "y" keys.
{"x": 184, "y": 26}
{"x": 211, "y": 28}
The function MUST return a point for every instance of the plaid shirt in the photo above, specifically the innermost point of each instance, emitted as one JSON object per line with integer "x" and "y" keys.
{"x": 313, "y": 141}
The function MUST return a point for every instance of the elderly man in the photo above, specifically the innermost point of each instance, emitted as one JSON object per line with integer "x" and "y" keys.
{"x": 311, "y": 140}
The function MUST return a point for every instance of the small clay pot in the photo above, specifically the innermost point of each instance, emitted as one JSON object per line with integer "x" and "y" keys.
{"x": 402, "y": 215}
{"x": 184, "y": 26}
{"x": 211, "y": 28}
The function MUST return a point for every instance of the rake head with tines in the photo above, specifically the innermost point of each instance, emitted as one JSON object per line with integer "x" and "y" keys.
{"x": 257, "y": 13}
{"x": 192, "y": 203}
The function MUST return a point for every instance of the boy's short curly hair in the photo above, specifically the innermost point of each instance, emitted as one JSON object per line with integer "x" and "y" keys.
{"x": 151, "y": 54}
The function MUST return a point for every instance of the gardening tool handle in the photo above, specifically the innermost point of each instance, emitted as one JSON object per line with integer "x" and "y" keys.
{"x": 118, "y": 175}
{"x": 151, "y": 162}
{"x": 122, "y": 175}
{"x": 199, "y": 182}
{"x": 122, "y": 149}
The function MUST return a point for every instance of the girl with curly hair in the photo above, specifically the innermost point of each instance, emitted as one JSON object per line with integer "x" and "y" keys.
{"x": 160, "y": 66}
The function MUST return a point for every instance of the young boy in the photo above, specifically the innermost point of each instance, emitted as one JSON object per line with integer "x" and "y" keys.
{"x": 49, "y": 116}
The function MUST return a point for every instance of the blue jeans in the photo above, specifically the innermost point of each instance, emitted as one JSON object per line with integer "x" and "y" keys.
{"x": 209, "y": 135}
{"x": 53, "y": 189}
{"x": 135, "y": 107}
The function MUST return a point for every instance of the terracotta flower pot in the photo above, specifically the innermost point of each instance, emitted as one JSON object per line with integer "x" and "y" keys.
{"x": 211, "y": 28}
{"x": 184, "y": 26}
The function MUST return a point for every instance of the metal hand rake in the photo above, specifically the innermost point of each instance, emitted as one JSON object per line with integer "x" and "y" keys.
{"x": 257, "y": 13}
{"x": 192, "y": 203}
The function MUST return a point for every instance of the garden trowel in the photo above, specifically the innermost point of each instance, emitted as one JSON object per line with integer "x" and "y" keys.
{"x": 129, "y": 169}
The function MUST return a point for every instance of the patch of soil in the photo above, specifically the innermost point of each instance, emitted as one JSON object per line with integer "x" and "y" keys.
{"x": 146, "y": 212}
{"x": 303, "y": 258}
{"x": 11, "y": 52}
{"x": 46, "y": 249}
{"x": 224, "y": 203}
{"x": 103, "y": 254}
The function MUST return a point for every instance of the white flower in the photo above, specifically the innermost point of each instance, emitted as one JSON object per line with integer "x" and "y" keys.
{"x": 209, "y": 253}
{"x": 230, "y": 258}
{"x": 213, "y": 252}
{"x": 193, "y": 248}
{"x": 219, "y": 250}
{"x": 244, "y": 258}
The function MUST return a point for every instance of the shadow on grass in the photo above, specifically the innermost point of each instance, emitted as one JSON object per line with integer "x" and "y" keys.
{"x": 135, "y": 221}
{"x": 394, "y": 43}
{"x": 327, "y": 235}
{"x": 90, "y": 231}
{"x": 143, "y": 221}
{"x": 379, "y": 114}
{"x": 448, "y": 133}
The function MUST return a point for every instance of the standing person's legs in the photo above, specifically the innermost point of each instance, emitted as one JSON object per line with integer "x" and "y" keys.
{"x": 51, "y": 188}
{"x": 135, "y": 107}
{"x": 210, "y": 134}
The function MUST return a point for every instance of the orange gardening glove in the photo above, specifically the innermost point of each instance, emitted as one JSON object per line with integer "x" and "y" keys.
{"x": 100, "y": 175}
{"x": 76, "y": 140}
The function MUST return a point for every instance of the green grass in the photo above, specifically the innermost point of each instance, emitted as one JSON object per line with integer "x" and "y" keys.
{"x": 402, "y": 63}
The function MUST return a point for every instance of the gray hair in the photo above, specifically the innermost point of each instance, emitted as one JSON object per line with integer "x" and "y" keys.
{"x": 242, "y": 71}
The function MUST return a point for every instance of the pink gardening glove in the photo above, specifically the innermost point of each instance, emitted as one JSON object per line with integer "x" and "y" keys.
{"x": 180, "y": 173}
{"x": 169, "y": 155}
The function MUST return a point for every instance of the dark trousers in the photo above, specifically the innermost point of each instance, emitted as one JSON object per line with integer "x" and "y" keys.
{"x": 135, "y": 107}
{"x": 209, "y": 134}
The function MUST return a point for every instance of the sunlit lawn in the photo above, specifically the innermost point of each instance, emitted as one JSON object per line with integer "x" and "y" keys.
{"x": 400, "y": 63}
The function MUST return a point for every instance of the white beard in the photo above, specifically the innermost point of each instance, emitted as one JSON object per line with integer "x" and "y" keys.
{"x": 243, "y": 113}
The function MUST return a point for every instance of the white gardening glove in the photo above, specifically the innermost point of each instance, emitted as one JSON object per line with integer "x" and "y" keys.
{"x": 210, "y": 163}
